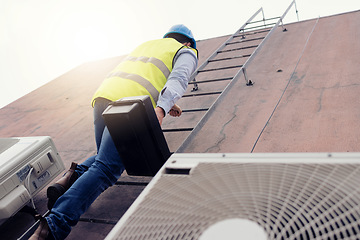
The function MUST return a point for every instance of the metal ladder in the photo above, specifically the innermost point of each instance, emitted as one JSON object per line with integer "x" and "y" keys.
{"x": 236, "y": 53}
{"x": 242, "y": 32}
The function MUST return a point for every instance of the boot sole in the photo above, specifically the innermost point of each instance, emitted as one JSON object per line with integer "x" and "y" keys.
{"x": 53, "y": 193}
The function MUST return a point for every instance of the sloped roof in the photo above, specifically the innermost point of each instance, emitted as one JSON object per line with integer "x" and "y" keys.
{"x": 304, "y": 99}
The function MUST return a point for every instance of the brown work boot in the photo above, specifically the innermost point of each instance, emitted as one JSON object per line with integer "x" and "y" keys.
{"x": 61, "y": 186}
{"x": 42, "y": 232}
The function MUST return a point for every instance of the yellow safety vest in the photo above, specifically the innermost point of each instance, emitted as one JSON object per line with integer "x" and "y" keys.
{"x": 143, "y": 72}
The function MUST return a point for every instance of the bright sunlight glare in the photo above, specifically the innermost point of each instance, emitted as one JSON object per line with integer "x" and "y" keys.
{"x": 85, "y": 36}
{"x": 90, "y": 43}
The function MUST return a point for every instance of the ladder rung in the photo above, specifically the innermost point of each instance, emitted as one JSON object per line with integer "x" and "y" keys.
{"x": 195, "y": 110}
{"x": 261, "y": 26}
{"x": 178, "y": 130}
{"x": 201, "y": 94}
{"x": 92, "y": 220}
{"x": 268, "y": 19}
{"x": 212, "y": 80}
{"x": 252, "y": 33}
{"x": 218, "y": 69}
{"x": 245, "y": 40}
{"x": 230, "y": 58}
{"x": 237, "y": 49}
{"x": 264, "y": 20}
{"x": 133, "y": 183}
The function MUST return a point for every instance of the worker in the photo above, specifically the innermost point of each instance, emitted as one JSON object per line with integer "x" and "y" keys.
{"x": 160, "y": 69}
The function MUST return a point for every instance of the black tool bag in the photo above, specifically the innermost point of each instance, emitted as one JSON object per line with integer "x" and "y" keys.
{"x": 137, "y": 134}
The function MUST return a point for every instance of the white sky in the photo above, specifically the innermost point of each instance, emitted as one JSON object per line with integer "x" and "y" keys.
{"x": 43, "y": 39}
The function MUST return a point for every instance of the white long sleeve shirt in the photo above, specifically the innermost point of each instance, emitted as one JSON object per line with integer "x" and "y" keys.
{"x": 177, "y": 82}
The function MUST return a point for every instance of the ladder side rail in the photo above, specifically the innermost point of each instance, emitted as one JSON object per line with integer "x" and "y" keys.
{"x": 297, "y": 12}
{"x": 287, "y": 10}
{"x": 251, "y": 58}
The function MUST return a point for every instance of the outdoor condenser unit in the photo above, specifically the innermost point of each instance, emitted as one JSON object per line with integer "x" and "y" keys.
{"x": 287, "y": 195}
{"x": 27, "y": 165}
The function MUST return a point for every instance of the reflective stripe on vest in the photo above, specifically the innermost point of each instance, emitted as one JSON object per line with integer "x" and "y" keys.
{"x": 139, "y": 79}
{"x": 157, "y": 62}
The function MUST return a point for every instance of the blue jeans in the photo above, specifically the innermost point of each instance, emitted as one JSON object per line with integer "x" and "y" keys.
{"x": 96, "y": 174}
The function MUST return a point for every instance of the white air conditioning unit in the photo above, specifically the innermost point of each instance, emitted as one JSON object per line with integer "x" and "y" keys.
{"x": 27, "y": 165}
{"x": 287, "y": 195}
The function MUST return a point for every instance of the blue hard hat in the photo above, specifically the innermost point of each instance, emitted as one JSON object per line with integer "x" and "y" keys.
{"x": 182, "y": 29}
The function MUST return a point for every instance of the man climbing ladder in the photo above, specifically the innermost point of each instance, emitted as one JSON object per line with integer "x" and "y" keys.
{"x": 160, "y": 69}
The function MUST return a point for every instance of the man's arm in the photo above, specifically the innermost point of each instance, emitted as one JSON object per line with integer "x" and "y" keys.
{"x": 175, "y": 87}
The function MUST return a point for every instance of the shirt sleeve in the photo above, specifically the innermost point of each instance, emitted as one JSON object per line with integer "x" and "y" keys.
{"x": 177, "y": 82}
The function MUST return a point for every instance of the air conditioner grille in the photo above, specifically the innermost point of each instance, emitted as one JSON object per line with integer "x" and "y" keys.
{"x": 289, "y": 201}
